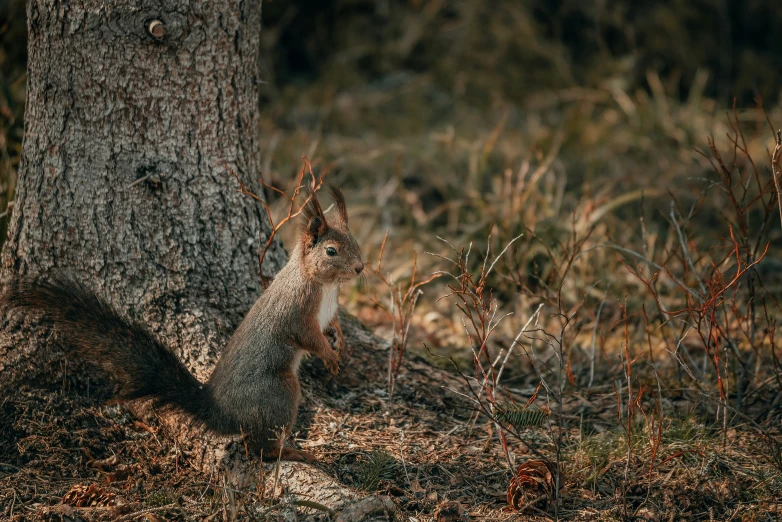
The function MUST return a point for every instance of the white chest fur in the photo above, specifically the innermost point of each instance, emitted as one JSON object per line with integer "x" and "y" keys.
{"x": 328, "y": 305}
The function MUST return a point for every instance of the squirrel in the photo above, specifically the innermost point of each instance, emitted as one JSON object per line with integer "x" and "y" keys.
{"x": 254, "y": 387}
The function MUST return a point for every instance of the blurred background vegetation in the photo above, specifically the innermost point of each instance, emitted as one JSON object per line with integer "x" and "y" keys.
{"x": 515, "y": 48}
{"x": 394, "y": 69}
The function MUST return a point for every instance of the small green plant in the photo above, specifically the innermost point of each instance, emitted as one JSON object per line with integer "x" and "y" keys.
{"x": 521, "y": 415}
{"x": 598, "y": 451}
{"x": 159, "y": 498}
{"x": 378, "y": 465}
{"x": 685, "y": 432}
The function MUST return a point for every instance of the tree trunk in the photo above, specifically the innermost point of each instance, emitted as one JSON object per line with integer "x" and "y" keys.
{"x": 136, "y": 109}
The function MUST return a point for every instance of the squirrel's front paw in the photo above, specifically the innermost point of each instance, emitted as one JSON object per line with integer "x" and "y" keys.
{"x": 331, "y": 360}
{"x": 336, "y": 341}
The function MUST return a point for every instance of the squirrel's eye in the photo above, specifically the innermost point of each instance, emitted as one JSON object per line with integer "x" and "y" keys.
{"x": 331, "y": 251}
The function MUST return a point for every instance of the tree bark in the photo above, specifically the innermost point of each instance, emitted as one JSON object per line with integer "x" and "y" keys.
{"x": 136, "y": 110}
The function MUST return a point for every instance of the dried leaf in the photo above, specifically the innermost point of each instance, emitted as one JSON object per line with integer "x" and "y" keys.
{"x": 105, "y": 464}
{"x": 118, "y": 475}
{"x": 450, "y": 511}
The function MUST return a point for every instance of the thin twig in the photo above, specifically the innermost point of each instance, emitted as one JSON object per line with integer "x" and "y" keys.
{"x": 775, "y": 172}
{"x": 7, "y": 210}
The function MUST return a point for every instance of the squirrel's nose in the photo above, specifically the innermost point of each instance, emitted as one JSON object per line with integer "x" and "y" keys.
{"x": 359, "y": 267}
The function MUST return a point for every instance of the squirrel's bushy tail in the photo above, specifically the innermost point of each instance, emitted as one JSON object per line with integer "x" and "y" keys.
{"x": 145, "y": 367}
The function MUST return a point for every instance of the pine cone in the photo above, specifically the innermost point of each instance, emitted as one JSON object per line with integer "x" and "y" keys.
{"x": 88, "y": 496}
{"x": 533, "y": 479}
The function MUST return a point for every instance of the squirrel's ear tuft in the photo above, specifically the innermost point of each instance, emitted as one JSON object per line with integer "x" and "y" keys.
{"x": 316, "y": 227}
{"x": 314, "y": 221}
{"x": 339, "y": 199}
{"x": 312, "y": 209}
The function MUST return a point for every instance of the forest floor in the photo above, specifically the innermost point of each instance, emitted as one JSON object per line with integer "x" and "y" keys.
{"x": 67, "y": 456}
